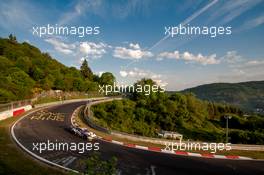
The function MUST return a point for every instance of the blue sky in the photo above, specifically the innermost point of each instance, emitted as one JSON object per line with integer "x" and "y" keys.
{"x": 130, "y": 29}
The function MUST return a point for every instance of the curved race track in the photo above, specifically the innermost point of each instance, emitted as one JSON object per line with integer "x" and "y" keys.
{"x": 31, "y": 130}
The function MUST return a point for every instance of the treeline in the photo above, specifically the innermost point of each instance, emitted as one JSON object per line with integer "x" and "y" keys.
{"x": 183, "y": 113}
{"x": 25, "y": 71}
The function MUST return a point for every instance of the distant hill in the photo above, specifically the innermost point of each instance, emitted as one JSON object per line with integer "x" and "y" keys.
{"x": 247, "y": 95}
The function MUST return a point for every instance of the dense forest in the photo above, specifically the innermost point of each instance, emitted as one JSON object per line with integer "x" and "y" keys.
{"x": 183, "y": 113}
{"x": 25, "y": 71}
{"x": 249, "y": 96}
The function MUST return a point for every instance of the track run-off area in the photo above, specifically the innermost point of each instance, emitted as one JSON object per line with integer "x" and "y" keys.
{"x": 50, "y": 123}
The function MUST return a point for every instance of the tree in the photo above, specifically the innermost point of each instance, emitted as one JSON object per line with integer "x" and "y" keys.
{"x": 107, "y": 78}
{"x": 96, "y": 166}
{"x": 12, "y": 38}
{"x": 86, "y": 71}
{"x": 5, "y": 65}
{"x": 24, "y": 64}
{"x": 96, "y": 78}
{"x": 20, "y": 83}
{"x": 143, "y": 84}
{"x": 6, "y": 96}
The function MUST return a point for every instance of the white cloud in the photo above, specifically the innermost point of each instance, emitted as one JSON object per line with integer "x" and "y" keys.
{"x": 134, "y": 52}
{"x": 232, "y": 57}
{"x": 137, "y": 74}
{"x": 100, "y": 73}
{"x": 134, "y": 46}
{"x": 123, "y": 73}
{"x": 245, "y": 64}
{"x": 242, "y": 74}
{"x": 80, "y": 50}
{"x": 93, "y": 50}
{"x": 160, "y": 82}
{"x": 61, "y": 46}
{"x": 204, "y": 60}
{"x": 169, "y": 55}
{"x": 244, "y": 70}
{"x": 189, "y": 57}
{"x": 253, "y": 64}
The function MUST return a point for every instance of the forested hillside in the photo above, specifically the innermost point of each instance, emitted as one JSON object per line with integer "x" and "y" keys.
{"x": 25, "y": 70}
{"x": 184, "y": 113}
{"x": 247, "y": 95}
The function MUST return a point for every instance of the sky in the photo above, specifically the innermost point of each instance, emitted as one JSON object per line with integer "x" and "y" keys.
{"x": 132, "y": 42}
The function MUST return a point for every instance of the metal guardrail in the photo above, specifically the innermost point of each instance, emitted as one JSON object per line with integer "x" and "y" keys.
{"x": 87, "y": 114}
{"x": 15, "y": 104}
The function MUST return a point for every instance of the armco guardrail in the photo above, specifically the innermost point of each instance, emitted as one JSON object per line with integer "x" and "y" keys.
{"x": 15, "y": 104}
{"x": 16, "y": 108}
{"x": 87, "y": 113}
{"x": 14, "y": 112}
{"x": 95, "y": 126}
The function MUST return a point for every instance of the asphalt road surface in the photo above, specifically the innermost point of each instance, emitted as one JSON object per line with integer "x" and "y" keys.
{"x": 49, "y": 124}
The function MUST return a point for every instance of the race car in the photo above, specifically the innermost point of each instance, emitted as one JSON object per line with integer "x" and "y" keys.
{"x": 88, "y": 134}
{"x": 81, "y": 132}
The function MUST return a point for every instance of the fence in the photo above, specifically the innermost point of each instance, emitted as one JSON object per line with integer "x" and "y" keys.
{"x": 15, "y": 104}
{"x": 88, "y": 115}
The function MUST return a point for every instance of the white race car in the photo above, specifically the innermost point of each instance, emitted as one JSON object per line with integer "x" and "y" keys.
{"x": 82, "y": 132}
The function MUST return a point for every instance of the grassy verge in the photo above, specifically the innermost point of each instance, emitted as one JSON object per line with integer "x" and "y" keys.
{"x": 15, "y": 161}
{"x": 53, "y": 99}
{"x": 252, "y": 154}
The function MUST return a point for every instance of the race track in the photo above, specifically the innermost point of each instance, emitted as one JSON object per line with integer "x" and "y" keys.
{"x": 36, "y": 129}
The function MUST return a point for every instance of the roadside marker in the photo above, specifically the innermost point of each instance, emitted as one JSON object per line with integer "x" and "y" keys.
{"x": 207, "y": 155}
{"x": 194, "y": 154}
{"x": 117, "y": 142}
{"x": 232, "y": 157}
{"x": 154, "y": 149}
{"x": 141, "y": 147}
{"x": 129, "y": 145}
{"x": 181, "y": 153}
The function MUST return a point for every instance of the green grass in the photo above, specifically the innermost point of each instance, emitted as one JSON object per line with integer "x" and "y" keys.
{"x": 54, "y": 99}
{"x": 46, "y": 100}
{"x": 15, "y": 161}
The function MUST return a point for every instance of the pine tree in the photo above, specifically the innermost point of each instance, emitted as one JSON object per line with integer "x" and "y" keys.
{"x": 86, "y": 71}
{"x": 12, "y": 38}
